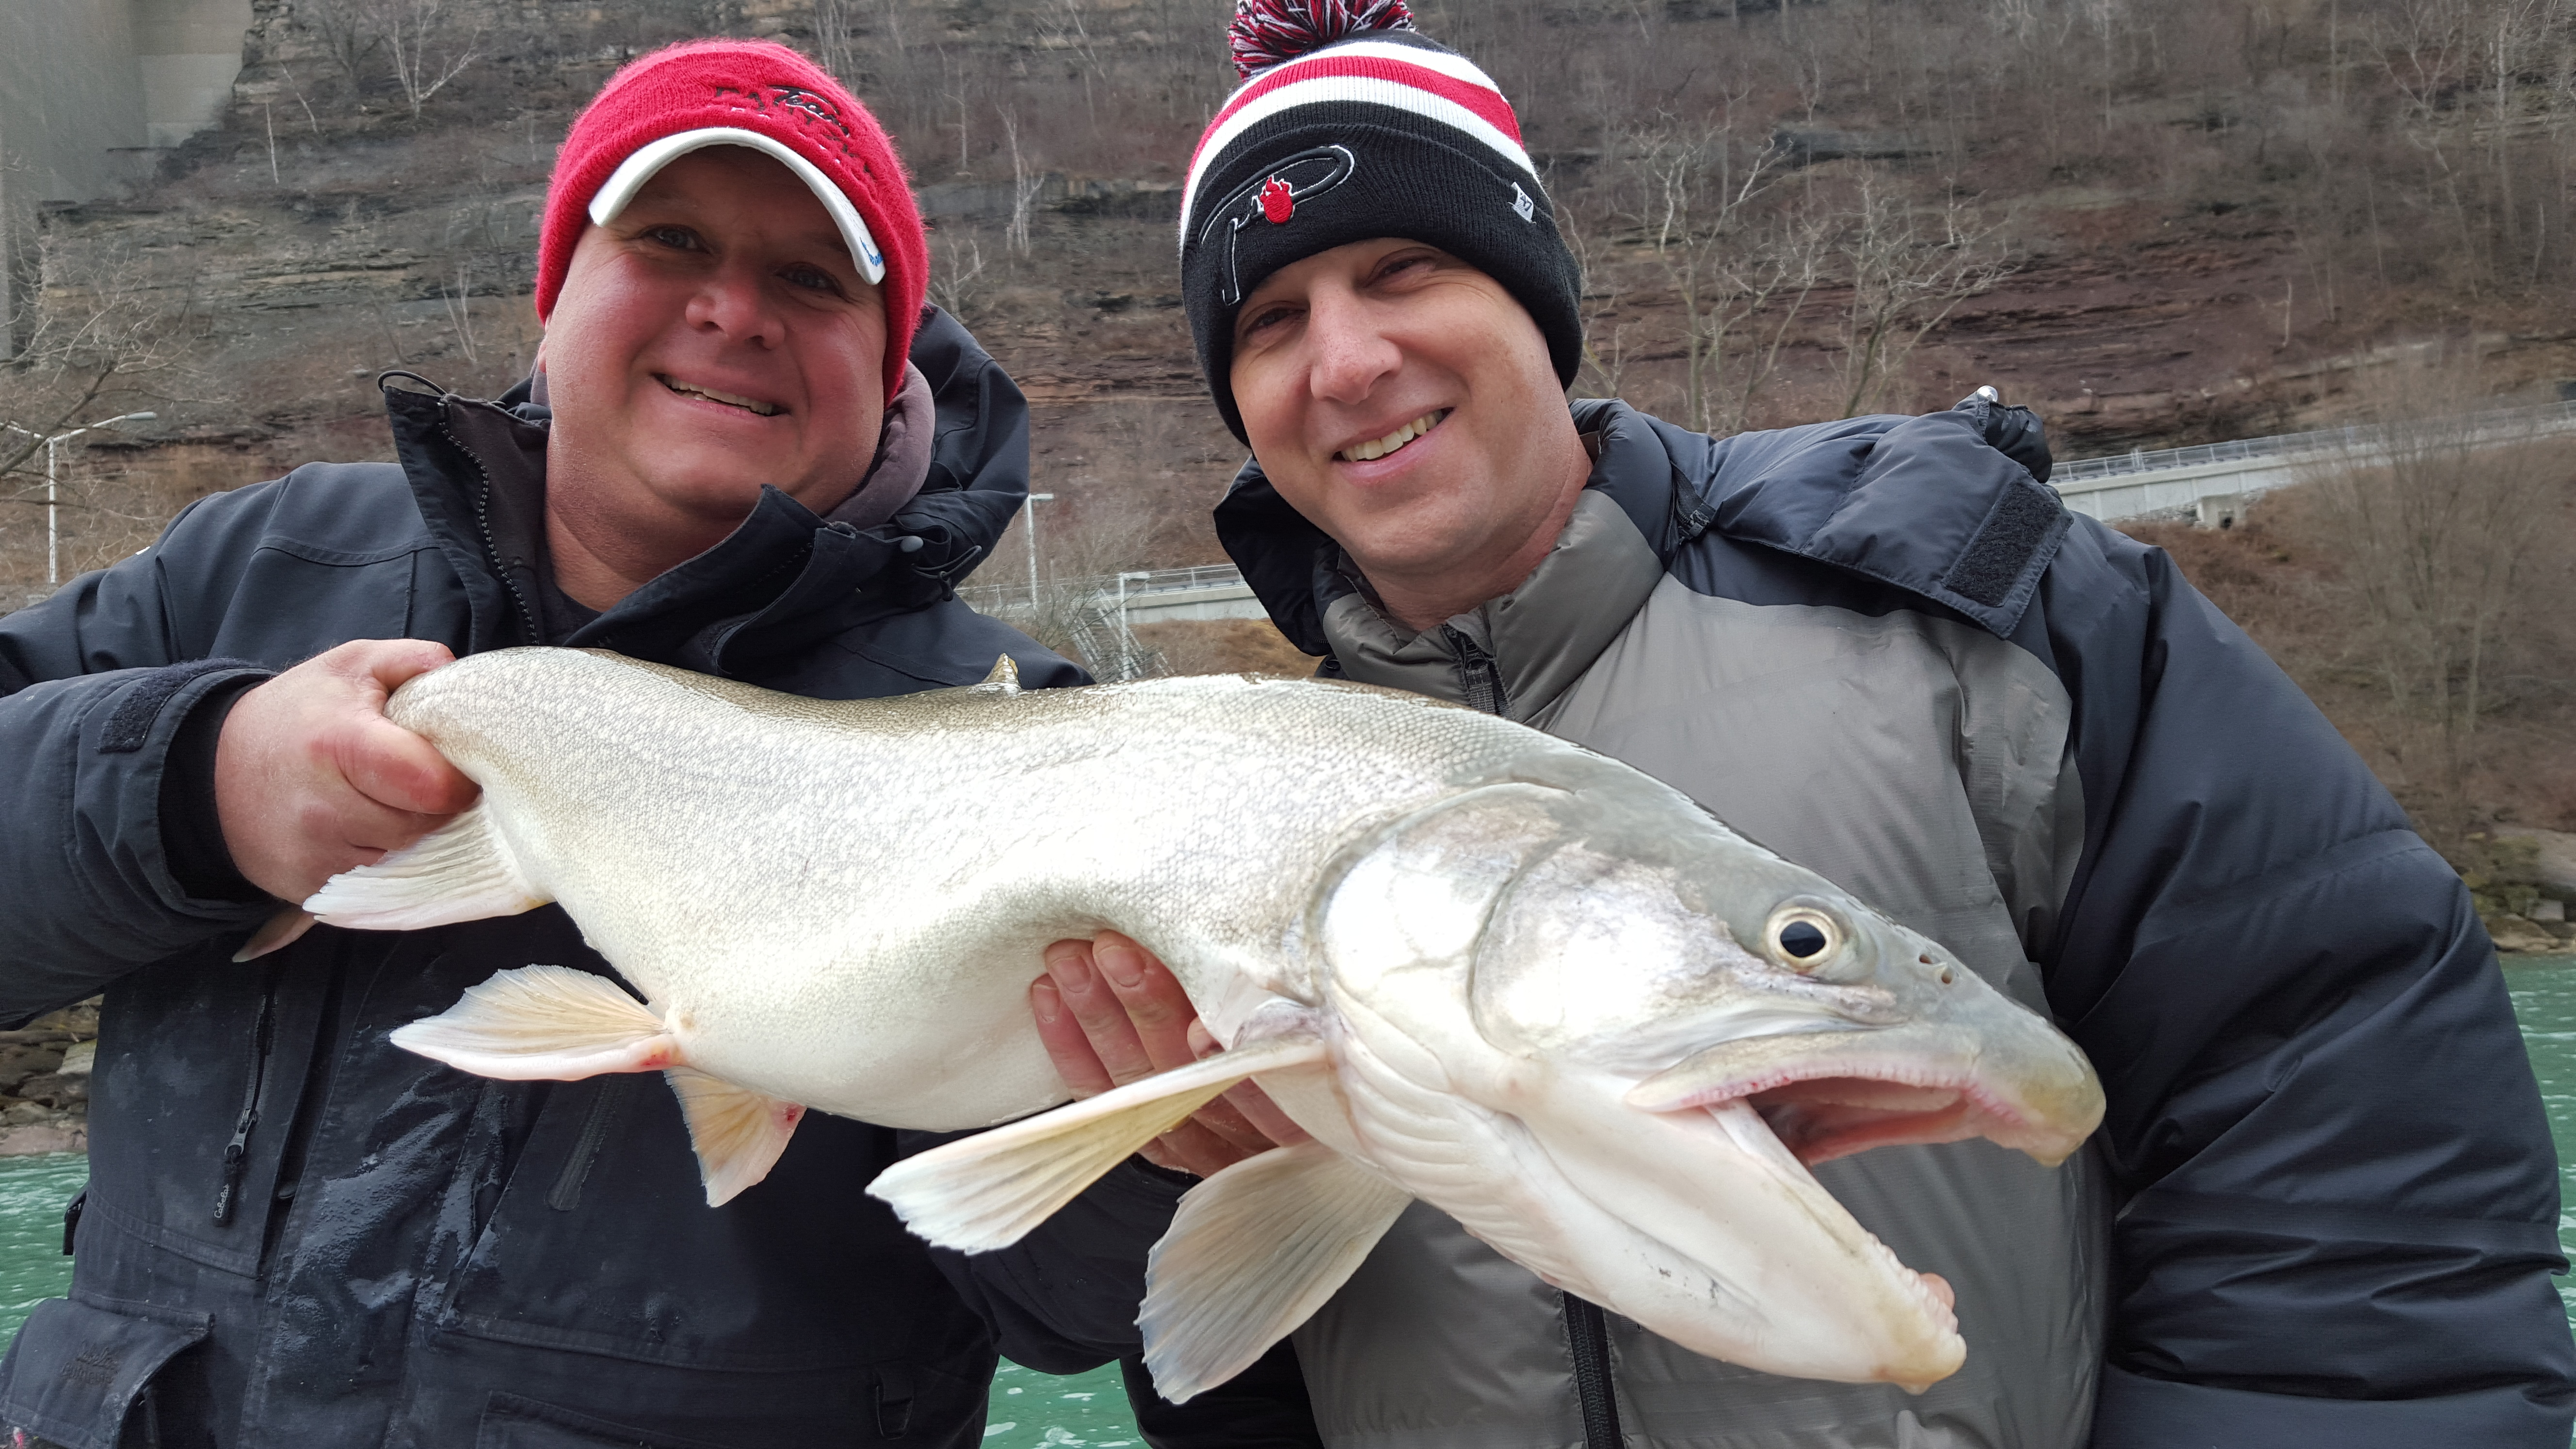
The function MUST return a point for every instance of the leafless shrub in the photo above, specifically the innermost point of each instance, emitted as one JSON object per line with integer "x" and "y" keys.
{"x": 2436, "y": 517}
{"x": 958, "y": 282}
{"x": 100, "y": 344}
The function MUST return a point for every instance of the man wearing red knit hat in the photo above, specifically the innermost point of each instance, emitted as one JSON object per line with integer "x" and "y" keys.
{"x": 2323, "y": 1207}
{"x": 749, "y": 450}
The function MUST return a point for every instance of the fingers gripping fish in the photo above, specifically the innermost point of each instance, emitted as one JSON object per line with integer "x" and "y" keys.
{"x": 1485, "y": 968}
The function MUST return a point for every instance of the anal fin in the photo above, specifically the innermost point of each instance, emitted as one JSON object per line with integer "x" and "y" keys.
{"x": 543, "y": 1023}
{"x": 738, "y": 1133}
{"x": 1252, "y": 1253}
{"x": 987, "y": 1191}
{"x": 462, "y": 871}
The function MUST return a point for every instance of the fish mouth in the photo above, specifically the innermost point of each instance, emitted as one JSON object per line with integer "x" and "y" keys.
{"x": 1831, "y": 1094}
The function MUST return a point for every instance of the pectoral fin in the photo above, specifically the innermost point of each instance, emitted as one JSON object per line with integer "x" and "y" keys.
{"x": 462, "y": 871}
{"x": 737, "y": 1132}
{"x": 1253, "y": 1252}
{"x": 544, "y": 1023}
{"x": 987, "y": 1191}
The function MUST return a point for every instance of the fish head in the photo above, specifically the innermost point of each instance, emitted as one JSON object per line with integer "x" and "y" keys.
{"x": 1651, "y": 1027}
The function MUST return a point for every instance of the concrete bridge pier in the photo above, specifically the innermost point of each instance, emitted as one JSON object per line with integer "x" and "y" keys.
{"x": 91, "y": 91}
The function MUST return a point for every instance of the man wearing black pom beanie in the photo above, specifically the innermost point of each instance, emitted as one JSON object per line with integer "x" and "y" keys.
{"x": 2322, "y": 1208}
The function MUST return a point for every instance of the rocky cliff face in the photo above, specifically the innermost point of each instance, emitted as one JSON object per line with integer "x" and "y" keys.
{"x": 44, "y": 1082}
{"x": 2170, "y": 271}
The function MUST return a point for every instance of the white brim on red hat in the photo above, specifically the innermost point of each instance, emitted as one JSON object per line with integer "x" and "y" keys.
{"x": 635, "y": 170}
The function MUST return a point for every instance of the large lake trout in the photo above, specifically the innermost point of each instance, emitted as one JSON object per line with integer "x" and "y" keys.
{"x": 1486, "y": 968}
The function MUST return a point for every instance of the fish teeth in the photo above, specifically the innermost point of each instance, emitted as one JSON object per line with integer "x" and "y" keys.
{"x": 750, "y": 405}
{"x": 1371, "y": 451}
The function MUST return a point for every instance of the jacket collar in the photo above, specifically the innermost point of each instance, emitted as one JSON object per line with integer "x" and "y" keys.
{"x": 946, "y": 483}
{"x": 1949, "y": 506}
{"x": 1633, "y": 515}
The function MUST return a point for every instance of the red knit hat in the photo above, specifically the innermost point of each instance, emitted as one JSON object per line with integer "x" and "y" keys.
{"x": 764, "y": 96}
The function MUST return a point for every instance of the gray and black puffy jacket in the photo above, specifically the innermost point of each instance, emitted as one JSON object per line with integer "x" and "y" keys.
{"x": 2323, "y": 1208}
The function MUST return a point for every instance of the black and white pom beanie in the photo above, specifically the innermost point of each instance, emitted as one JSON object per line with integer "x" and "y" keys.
{"x": 1351, "y": 125}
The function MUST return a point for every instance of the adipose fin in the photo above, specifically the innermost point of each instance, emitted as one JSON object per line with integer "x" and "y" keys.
{"x": 544, "y": 1023}
{"x": 462, "y": 871}
{"x": 987, "y": 1191}
{"x": 1252, "y": 1253}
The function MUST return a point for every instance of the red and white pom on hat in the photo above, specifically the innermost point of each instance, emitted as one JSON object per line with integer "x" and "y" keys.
{"x": 765, "y": 97}
{"x": 1271, "y": 32}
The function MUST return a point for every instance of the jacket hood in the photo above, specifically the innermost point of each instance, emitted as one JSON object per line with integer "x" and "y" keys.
{"x": 1950, "y": 505}
{"x": 951, "y": 469}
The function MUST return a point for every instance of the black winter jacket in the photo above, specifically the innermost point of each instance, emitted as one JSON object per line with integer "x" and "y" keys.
{"x": 296, "y": 1234}
{"x": 1882, "y": 647}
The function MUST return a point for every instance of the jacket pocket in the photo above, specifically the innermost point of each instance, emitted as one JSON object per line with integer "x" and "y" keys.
{"x": 75, "y": 1371}
{"x": 512, "y": 1422}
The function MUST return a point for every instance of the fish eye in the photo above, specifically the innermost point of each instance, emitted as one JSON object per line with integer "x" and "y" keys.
{"x": 1804, "y": 937}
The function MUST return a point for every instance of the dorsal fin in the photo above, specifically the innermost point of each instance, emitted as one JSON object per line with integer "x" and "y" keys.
{"x": 1005, "y": 673}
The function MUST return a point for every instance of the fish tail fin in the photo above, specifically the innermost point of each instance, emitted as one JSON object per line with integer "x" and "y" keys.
{"x": 1252, "y": 1253}
{"x": 736, "y": 1132}
{"x": 987, "y": 1191}
{"x": 462, "y": 871}
{"x": 544, "y": 1023}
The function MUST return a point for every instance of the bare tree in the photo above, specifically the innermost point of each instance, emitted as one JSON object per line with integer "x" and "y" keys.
{"x": 347, "y": 34}
{"x": 1025, "y": 186}
{"x": 100, "y": 342}
{"x": 2431, "y": 512}
{"x": 1909, "y": 268}
{"x": 1739, "y": 272}
{"x": 431, "y": 44}
{"x": 958, "y": 283}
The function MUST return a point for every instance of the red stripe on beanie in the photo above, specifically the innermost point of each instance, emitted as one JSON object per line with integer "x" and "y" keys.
{"x": 758, "y": 86}
{"x": 1486, "y": 102}
{"x": 1483, "y": 102}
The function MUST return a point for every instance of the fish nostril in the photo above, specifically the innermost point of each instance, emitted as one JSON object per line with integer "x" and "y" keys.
{"x": 1944, "y": 977}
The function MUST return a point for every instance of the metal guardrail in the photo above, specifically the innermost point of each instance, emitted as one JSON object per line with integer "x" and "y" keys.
{"x": 1111, "y": 591}
{"x": 2360, "y": 437}
{"x": 1139, "y": 584}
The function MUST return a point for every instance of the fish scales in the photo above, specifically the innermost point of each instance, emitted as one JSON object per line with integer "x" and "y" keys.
{"x": 1483, "y": 967}
{"x": 928, "y": 850}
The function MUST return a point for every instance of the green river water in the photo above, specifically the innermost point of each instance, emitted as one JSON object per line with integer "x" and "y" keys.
{"x": 1031, "y": 1410}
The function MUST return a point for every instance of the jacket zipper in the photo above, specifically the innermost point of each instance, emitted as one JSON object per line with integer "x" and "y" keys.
{"x": 1587, "y": 1330}
{"x": 1480, "y": 680}
{"x": 1587, "y": 1338}
{"x": 530, "y": 630}
{"x": 237, "y": 1151}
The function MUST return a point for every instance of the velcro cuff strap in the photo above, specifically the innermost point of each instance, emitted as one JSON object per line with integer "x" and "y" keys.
{"x": 140, "y": 709}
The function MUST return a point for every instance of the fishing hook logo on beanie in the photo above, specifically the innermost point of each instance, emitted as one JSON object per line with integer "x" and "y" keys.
{"x": 1273, "y": 197}
{"x": 766, "y": 98}
{"x": 1428, "y": 148}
